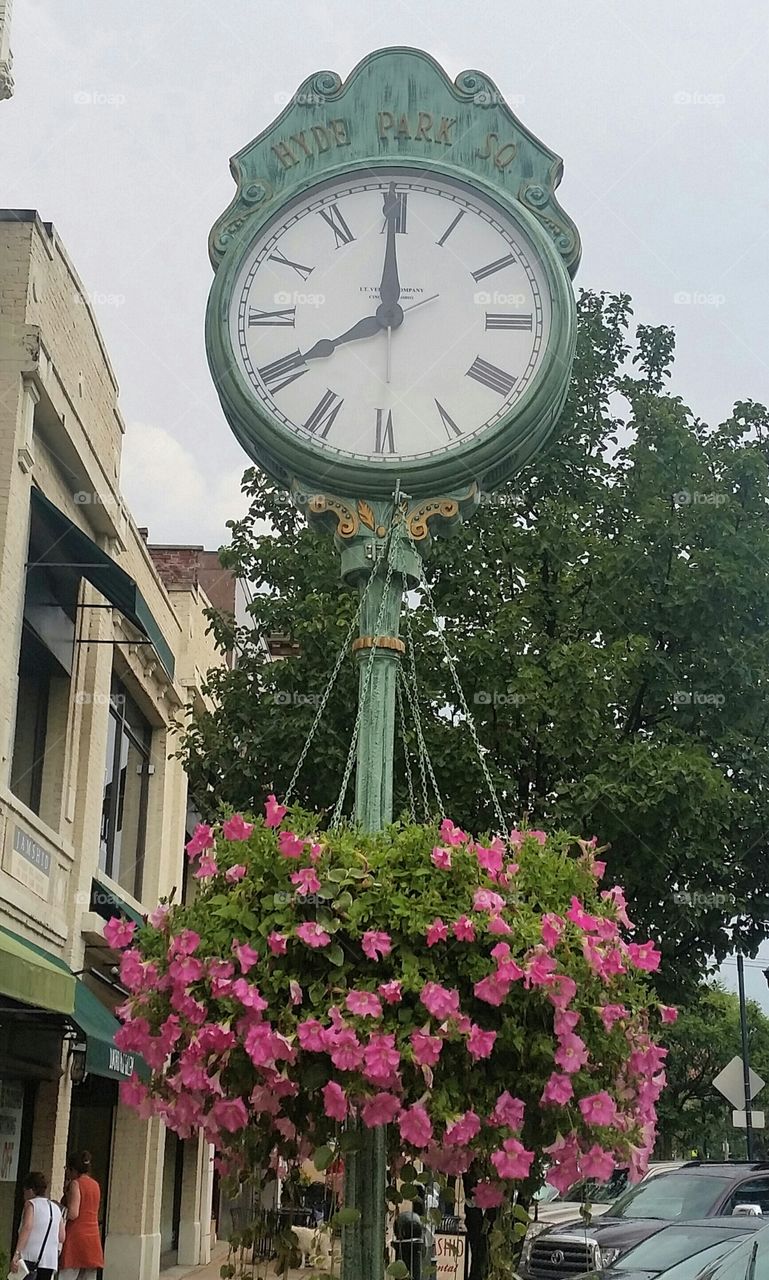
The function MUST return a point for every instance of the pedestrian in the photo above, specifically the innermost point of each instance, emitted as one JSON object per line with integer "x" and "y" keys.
{"x": 41, "y": 1233}
{"x": 82, "y": 1255}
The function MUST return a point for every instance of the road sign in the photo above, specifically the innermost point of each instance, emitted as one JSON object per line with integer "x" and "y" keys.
{"x": 739, "y": 1119}
{"x": 729, "y": 1082}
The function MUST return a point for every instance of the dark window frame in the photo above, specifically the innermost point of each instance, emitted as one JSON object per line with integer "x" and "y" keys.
{"x": 120, "y": 700}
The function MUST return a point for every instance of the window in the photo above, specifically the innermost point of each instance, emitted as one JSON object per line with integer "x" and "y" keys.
{"x": 45, "y": 666}
{"x": 126, "y": 781}
{"x": 672, "y": 1195}
{"x": 754, "y": 1192}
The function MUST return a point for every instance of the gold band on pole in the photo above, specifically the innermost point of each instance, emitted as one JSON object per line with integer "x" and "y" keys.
{"x": 393, "y": 643}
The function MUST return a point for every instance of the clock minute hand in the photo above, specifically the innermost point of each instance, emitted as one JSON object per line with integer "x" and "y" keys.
{"x": 390, "y": 288}
{"x": 363, "y": 329}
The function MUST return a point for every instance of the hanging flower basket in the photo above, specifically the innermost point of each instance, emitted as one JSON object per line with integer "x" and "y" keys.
{"x": 483, "y": 999}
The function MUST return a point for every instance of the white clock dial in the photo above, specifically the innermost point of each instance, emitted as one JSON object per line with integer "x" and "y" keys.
{"x": 390, "y": 315}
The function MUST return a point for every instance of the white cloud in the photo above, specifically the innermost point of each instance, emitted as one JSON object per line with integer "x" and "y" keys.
{"x": 169, "y": 492}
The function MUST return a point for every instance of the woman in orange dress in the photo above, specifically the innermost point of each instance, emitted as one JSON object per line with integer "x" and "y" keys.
{"x": 82, "y": 1254}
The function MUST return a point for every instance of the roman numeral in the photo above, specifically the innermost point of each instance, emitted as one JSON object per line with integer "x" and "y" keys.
{"x": 502, "y": 320}
{"x": 399, "y": 217}
{"x": 337, "y": 224}
{"x": 276, "y": 318}
{"x": 450, "y": 228}
{"x": 281, "y": 372}
{"x": 385, "y": 440}
{"x": 324, "y": 414}
{"x": 279, "y": 257}
{"x": 493, "y": 267}
{"x": 492, "y": 377}
{"x": 452, "y": 430}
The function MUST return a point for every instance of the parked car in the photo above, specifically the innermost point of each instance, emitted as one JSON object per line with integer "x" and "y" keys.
{"x": 680, "y": 1250}
{"x": 697, "y": 1190}
{"x": 553, "y": 1208}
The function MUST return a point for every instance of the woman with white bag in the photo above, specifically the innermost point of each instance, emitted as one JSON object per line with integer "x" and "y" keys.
{"x": 41, "y": 1233}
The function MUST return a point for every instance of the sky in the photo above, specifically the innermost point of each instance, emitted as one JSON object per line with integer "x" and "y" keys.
{"x": 125, "y": 115}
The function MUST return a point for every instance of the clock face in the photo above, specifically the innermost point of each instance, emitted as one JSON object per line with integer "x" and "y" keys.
{"x": 390, "y": 315}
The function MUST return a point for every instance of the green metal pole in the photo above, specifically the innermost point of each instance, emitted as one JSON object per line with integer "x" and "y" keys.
{"x": 366, "y": 1169}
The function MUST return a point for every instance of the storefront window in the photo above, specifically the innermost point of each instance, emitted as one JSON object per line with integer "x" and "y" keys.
{"x": 126, "y": 780}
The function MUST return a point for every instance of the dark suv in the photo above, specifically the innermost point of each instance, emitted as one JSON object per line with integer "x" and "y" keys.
{"x": 698, "y": 1189}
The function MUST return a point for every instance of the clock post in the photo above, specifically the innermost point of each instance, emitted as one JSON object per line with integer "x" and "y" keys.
{"x": 401, "y": 231}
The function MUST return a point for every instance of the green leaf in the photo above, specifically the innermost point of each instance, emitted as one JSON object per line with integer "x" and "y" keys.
{"x": 398, "y": 1271}
{"x": 335, "y": 954}
{"x": 322, "y": 1158}
{"x": 345, "y": 1217}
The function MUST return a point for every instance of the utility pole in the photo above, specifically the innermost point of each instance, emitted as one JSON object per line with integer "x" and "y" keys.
{"x": 749, "y": 1149}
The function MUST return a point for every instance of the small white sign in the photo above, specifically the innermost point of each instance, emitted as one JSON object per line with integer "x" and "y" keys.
{"x": 740, "y": 1122}
{"x": 11, "y": 1108}
{"x": 451, "y": 1256}
{"x": 729, "y": 1082}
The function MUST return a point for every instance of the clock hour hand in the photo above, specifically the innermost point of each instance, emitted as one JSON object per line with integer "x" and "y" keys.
{"x": 363, "y": 329}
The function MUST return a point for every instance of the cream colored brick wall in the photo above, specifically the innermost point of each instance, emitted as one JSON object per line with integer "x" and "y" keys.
{"x": 51, "y": 351}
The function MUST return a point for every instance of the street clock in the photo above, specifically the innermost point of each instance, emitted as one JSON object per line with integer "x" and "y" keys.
{"x": 392, "y": 303}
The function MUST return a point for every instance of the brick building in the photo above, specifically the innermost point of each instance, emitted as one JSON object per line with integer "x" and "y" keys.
{"x": 104, "y": 644}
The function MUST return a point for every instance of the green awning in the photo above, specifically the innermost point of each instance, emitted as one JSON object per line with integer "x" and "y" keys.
{"x": 27, "y": 974}
{"x": 102, "y": 1056}
{"x": 71, "y": 548}
{"x": 106, "y": 903}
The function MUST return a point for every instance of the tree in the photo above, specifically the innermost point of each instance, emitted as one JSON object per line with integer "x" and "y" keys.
{"x": 693, "y": 1116}
{"x": 607, "y": 611}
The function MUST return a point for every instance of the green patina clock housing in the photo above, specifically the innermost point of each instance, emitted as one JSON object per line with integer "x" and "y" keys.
{"x": 398, "y": 107}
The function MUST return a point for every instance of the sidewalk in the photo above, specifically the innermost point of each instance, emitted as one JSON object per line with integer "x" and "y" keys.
{"x": 218, "y": 1257}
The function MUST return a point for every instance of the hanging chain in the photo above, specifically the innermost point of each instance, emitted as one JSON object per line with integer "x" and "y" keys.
{"x": 412, "y": 693}
{"x": 330, "y": 684}
{"x": 406, "y": 752}
{"x": 363, "y": 693}
{"x": 460, "y": 693}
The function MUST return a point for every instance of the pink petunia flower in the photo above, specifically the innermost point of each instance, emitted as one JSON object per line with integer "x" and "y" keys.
{"x": 381, "y": 1058}
{"x": 159, "y": 917}
{"x": 202, "y": 839}
{"x": 235, "y": 873}
{"x": 206, "y": 868}
{"x": 290, "y": 845}
{"x": 441, "y": 1002}
{"x": 391, "y": 992}
{"x": 488, "y": 1195}
{"x": 441, "y": 858}
{"x": 426, "y": 1048}
{"x": 311, "y": 1035}
{"x": 463, "y": 1130}
{"x": 379, "y": 1110}
{"x": 236, "y": 828}
{"x": 644, "y": 955}
{"x": 246, "y": 955}
{"x": 376, "y": 944}
{"x": 498, "y": 926}
{"x": 415, "y": 1126}
{"x": 561, "y": 990}
{"x": 597, "y": 1163}
{"x": 480, "y": 1043}
{"x": 513, "y": 1160}
{"x": 668, "y": 1013}
{"x": 250, "y": 997}
{"x": 335, "y": 1101}
{"x": 598, "y": 1108}
{"x": 611, "y": 1013}
{"x": 295, "y": 992}
{"x": 539, "y": 968}
{"x": 345, "y": 1049}
{"x": 451, "y": 834}
{"x": 364, "y": 1003}
{"x": 490, "y": 859}
{"x": 274, "y": 812}
{"x": 464, "y": 930}
{"x": 312, "y": 935}
{"x": 565, "y": 1021}
{"x": 508, "y": 1111}
{"x": 436, "y": 932}
{"x": 580, "y": 917}
{"x": 278, "y": 943}
{"x": 552, "y": 928}
{"x": 119, "y": 932}
{"x": 306, "y": 881}
{"x": 492, "y": 990}
{"x": 487, "y": 900}
{"x": 558, "y": 1089}
{"x": 571, "y": 1054}
{"x": 184, "y": 943}
{"x": 229, "y": 1114}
